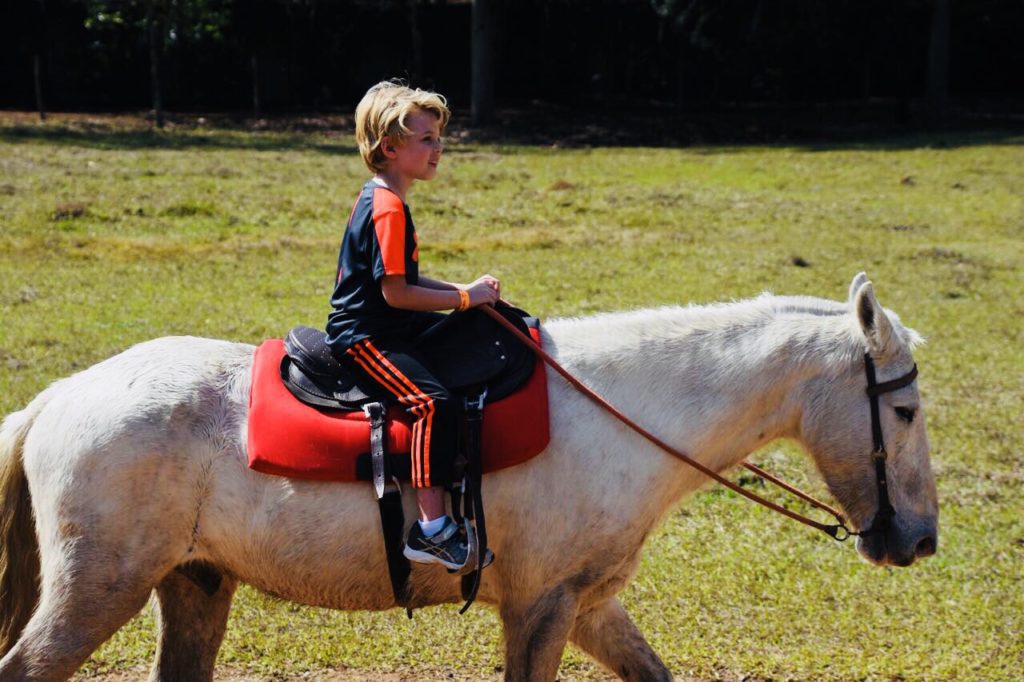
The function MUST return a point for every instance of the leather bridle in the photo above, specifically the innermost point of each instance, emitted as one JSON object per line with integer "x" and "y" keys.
{"x": 885, "y": 513}
{"x": 839, "y": 530}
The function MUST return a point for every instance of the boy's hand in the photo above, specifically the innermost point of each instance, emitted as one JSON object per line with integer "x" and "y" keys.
{"x": 483, "y": 292}
{"x": 489, "y": 281}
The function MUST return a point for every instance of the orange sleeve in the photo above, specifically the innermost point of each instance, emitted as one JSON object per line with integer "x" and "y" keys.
{"x": 389, "y": 227}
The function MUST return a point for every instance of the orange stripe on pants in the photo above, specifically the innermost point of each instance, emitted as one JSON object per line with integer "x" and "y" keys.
{"x": 420, "y": 405}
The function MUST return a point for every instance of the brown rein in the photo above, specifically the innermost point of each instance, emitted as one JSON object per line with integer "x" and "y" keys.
{"x": 839, "y": 531}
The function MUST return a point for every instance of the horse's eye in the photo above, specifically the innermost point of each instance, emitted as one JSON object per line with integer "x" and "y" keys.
{"x": 905, "y": 413}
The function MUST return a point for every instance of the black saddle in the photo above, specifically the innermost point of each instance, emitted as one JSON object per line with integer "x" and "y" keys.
{"x": 467, "y": 351}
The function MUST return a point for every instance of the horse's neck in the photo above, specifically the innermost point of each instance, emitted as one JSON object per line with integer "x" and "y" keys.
{"x": 717, "y": 393}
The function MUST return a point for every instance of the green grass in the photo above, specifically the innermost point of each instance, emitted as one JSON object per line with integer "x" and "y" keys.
{"x": 112, "y": 234}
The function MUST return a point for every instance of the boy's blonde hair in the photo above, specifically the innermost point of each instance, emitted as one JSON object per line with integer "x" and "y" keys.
{"x": 382, "y": 113}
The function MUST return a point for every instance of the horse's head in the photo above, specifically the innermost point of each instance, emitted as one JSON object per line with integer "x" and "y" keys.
{"x": 838, "y": 428}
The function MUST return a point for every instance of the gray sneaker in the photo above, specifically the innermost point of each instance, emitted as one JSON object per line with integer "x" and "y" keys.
{"x": 446, "y": 547}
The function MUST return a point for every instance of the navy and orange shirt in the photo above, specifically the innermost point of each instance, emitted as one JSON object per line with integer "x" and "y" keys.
{"x": 379, "y": 240}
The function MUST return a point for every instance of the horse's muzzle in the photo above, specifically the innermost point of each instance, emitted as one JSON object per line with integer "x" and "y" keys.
{"x": 901, "y": 544}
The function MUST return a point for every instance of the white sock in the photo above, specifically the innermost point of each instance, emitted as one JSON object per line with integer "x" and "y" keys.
{"x": 433, "y": 527}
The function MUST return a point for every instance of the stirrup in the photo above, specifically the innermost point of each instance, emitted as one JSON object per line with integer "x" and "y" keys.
{"x": 472, "y": 551}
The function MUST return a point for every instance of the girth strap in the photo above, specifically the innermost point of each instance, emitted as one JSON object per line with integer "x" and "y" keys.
{"x": 389, "y": 503}
{"x": 471, "y": 498}
{"x": 392, "y": 521}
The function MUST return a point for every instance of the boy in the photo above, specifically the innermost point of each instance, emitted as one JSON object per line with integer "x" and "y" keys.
{"x": 381, "y": 302}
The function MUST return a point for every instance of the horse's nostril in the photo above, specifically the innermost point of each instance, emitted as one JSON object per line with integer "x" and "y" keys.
{"x": 926, "y": 547}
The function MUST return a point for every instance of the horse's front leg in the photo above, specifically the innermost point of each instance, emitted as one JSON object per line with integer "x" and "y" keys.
{"x": 192, "y": 625}
{"x": 536, "y": 631}
{"x": 609, "y": 636}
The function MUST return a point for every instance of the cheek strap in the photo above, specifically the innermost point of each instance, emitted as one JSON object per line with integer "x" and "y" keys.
{"x": 885, "y": 509}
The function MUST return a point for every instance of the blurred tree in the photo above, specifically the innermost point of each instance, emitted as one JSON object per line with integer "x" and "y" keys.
{"x": 154, "y": 38}
{"x": 39, "y": 45}
{"x": 863, "y": 58}
{"x": 255, "y": 62}
{"x": 683, "y": 34}
{"x": 252, "y": 24}
{"x": 938, "y": 62}
{"x": 162, "y": 25}
{"x": 482, "y": 43}
{"x": 415, "y": 40}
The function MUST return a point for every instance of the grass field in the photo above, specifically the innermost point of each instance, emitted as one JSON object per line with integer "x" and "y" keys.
{"x": 110, "y": 235}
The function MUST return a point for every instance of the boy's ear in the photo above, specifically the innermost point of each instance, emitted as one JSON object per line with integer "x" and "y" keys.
{"x": 387, "y": 146}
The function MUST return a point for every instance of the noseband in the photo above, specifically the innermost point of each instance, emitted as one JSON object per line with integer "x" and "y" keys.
{"x": 885, "y": 513}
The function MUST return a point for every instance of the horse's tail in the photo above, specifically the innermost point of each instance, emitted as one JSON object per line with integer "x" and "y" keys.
{"x": 19, "y": 546}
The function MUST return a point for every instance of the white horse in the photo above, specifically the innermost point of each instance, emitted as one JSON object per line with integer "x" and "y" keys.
{"x": 137, "y": 466}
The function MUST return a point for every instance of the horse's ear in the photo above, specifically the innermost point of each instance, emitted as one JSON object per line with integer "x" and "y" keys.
{"x": 874, "y": 322}
{"x": 858, "y": 281}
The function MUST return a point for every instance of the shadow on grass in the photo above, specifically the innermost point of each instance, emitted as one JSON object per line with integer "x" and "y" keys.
{"x": 100, "y": 137}
{"x": 544, "y": 126}
{"x": 810, "y": 127}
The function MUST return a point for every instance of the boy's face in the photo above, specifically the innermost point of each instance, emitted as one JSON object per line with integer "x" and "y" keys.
{"x": 416, "y": 157}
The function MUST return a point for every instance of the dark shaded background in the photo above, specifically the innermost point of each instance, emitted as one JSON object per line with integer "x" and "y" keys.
{"x": 832, "y": 61}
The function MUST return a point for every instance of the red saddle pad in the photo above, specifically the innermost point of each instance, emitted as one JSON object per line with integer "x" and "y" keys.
{"x": 289, "y": 438}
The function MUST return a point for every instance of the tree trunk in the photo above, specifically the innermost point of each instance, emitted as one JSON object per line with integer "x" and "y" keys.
{"x": 37, "y": 77}
{"x": 482, "y": 69}
{"x": 416, "y": 40}
{"x": 938, "y": 63}
{"x": 37, "y": 60}
{"x": 154, "y": 62}
{"x": 255, "y": 86}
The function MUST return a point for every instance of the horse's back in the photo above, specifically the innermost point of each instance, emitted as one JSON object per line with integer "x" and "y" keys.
{"x": 147, "y": 388}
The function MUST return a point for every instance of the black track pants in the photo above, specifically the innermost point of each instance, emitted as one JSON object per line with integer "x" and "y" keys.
{"x": 395, "y": 370}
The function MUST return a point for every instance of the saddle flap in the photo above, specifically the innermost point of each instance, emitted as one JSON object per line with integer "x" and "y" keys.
{"x": 463, "y": 352}
{"x": 469, "y": 350}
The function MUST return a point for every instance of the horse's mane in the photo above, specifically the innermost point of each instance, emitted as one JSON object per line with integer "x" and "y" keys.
{"x": 624, "y": 328}
{"x": 712, "y": 315}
